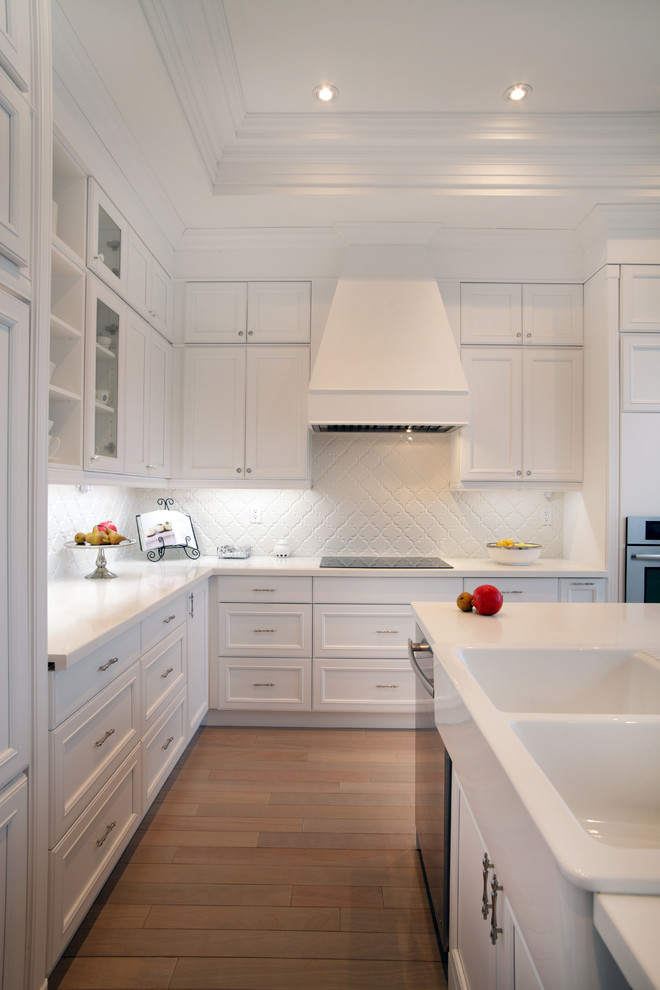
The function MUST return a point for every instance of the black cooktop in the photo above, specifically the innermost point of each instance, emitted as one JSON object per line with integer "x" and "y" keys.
{"x": 412, "y": 563}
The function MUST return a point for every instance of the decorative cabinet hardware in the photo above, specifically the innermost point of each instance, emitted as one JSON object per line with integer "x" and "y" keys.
{"x": 388, "y": 632}
{"x": 99, "y": 742}
{"x": 109, "y": 663}
{"x": 263, "y": 684}
{"x": 191, "y": 610}
{"x": 108, "y": 830}
{"x": 168, "y": 619}
{"x": 263, "y": 630}
{"x": 494, "y": 888}
{"x": 170, "y": 739}
{"x": 167, "y": 672}
{"x": 99, "y": 257}
{"x": 387, "y": 685}
{"x": 263, "y": 589}
{"x": 485, "y": 905}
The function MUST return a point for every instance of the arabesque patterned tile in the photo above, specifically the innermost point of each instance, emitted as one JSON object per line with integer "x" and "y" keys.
{"x": 383, "y": 495}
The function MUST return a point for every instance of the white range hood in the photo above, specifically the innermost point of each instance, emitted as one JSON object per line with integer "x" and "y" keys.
{"x": 388, "y": 360}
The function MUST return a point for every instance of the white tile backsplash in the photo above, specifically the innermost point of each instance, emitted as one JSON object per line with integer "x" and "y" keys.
{"x": 382, "y": 495}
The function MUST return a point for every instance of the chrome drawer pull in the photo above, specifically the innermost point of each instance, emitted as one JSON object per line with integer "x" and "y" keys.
{"x": 109, "y": 663}
{"x": 108, "y": 830}
{"x": 263, "y": 589}
{"x": 388, "y": 632}
{"x": 167, "y": 742}
{"x": 167, "y": 672}
{"x": 485, "y": 906}
{"x": 99, "y": 742}
{"x": 168, "y": 619}
{"x": 513, "y": 592}
{"x": 263, "y": 630}
{"x": 387, "y": 685}
{"x": 264, "y": 684}
{"x": 494, "y": 930}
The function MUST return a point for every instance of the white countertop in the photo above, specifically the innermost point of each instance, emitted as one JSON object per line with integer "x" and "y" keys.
{"x": 629, "y": 927}
{"x": 83, "y": 615}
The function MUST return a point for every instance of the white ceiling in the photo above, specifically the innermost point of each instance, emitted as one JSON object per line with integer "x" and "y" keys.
{"x": 217, "y": 96}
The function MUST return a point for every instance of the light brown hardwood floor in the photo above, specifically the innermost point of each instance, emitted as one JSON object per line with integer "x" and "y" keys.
{"x": 273, "y": 859}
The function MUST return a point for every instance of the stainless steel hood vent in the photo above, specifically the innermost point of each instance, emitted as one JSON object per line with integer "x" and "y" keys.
{"x": 388, "y": 361}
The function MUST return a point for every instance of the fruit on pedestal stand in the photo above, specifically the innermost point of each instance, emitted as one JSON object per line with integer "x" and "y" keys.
{"x": 464, "y": 601}
{"x": 487, "y": 599}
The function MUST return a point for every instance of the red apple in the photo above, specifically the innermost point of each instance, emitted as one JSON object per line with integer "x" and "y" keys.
{"x": 487, "y": 599}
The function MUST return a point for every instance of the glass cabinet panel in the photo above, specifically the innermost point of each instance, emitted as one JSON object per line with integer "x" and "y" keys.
{"x": 109, "y": 243}
{"x": 107, "y": 240}
{"x": 105, "y": 380}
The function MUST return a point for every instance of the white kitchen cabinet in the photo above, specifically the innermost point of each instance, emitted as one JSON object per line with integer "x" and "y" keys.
{"x": 526, "y": 416}
{"x": 357, "y": 684}
{"x": 486, "y": 948}
{"x": 265, "y": 683}
{"x": 13, "y": 882}
{"x": 242, "y": 312}
{"x": 376, "y": 631}
{"x": 249, "y": 630}
{"x": 107, "y": 240}
{"x": 509, "y": 313}
{"x": 149, "y": 286}
{"x": 163, "y": 674}
{"x": 162, "y": 746}
{"x": 583, "y": 590}
{"x": 147, "y": 396}
{"x": 14, "y": 587}
{"x": 640, "y": 298}
{"x": 197, "y": 657}
{"x": 516, "y": 589}
{"x": 15, "y": 172}
{"x": 640, "y": 372}
{"x": 69, "y": 211}
{"x": 245, "y": 413}
{"x": 15, "y": 41}
{"x": 105, "y": 367}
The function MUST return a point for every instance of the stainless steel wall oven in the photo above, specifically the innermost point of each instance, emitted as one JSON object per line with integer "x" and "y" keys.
{"x": 643, "y": 559}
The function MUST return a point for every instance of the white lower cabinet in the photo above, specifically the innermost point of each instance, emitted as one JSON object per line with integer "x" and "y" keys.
{"x": 583, "y": 590}
{"x": 13, "y": 881}
{"x": 266, "y": 683}
{"x": 358, "y": 685}
{"x": 518, "y": 589}
{"x": 486, "y": 948}
{"x": 119, "y": 720}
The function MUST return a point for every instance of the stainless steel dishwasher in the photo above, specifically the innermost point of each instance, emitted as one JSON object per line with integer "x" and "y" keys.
{"x": 432, "y": 792}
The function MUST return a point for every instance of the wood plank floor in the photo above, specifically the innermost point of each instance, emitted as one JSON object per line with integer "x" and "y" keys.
{"x": 273, "y": 859}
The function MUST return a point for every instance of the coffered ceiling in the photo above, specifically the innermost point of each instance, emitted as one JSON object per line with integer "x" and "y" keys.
{"x": 215, "y": 96}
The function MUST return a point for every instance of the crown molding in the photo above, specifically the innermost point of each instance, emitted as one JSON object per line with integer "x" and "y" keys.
{"x": 257, "y": 238}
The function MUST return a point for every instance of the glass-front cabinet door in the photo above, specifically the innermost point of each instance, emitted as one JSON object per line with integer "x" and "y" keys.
{"x": 104, "y": 381}
{"x": 107, "y": 240}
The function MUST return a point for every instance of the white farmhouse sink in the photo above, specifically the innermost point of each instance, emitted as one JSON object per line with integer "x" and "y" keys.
{"x": 596, "y": 681}
{"x": 608, "y": 773}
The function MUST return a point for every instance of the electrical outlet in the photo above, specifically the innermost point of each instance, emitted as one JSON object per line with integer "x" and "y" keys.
{"x": 547, "y": 516}
{"x": 255, "y": 513}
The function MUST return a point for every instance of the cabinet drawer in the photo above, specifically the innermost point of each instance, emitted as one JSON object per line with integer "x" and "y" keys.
{"x": 87, "y": 749}
{"x": 70, "y": 689}
{"x": 264, "y": 589}
{"x": 518, "y": 589}
{"x": 271, "y": 684}
{"x": 359, "y": 685}
{"x": 277, "y": 630}
{"x": 163, "y": 674}
{"x": 386, "y": 590}
{"x": 158, "y": 625}
{"x": 80, "y": 864}
{"x": 162, "y": 747}
{"x": 363, "y": 630}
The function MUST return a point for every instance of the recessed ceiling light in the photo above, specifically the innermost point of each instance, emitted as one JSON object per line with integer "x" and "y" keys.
{"x": 326, "y": 93}
{"x": 517, "y": 92}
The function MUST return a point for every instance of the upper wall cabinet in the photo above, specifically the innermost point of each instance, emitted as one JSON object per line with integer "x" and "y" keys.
{"x": 107, "y": 240}
{"x": 241, "y": 312}
{"x": 104, "y": 379}
{"x": 149, "y": 286}
{"x": 504, "y": 313}
{"x": 15, "y": 41}
{"x": 69, "y": 204}
{"x": 640, "y": 297}
{"x": 15, "y": 171}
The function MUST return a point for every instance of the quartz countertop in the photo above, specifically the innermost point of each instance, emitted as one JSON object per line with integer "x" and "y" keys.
{"x": 629, "y": 927}
{"x": 83, "y": 615}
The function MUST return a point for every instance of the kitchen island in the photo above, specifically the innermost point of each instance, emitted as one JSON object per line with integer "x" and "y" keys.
{"x": 559, "y": 793}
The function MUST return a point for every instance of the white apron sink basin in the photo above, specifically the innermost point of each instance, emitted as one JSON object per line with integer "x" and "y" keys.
{"x": 596, "y": 681}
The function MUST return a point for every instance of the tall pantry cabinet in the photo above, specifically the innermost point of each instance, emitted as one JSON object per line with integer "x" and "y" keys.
{"x": 24, "y": 151}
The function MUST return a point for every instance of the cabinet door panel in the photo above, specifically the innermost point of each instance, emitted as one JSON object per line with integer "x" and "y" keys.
{"x": 139, "y": 273}
{"x": 104, "y": 380}
{"x": 138, "y": 335}
{"x": 553, "y": 414}
{"x": 279, "y": 312}
{"x": 491, "y": 447}
{"x": 107, "y": 240}
{"x": 552, "y": 314}
{"x": 264, "y": 630}
{"x": 15, "y": 41}
{"x": 15, "y": 173}
{"x": 276, "y": 429}
{"x": 197, "y": 651}
{"x": 161, "y": 299}
{"x": 13, "y": 882}
{"x": 159, "y": 420}
{"x": 14, "y": 594}
{"x": 491, "y": 313}
{"x": 640, "y": 372}
{"x": 214, "y": 412}
{"x": 216, "y": 312}
{"x": 640, "y": 297}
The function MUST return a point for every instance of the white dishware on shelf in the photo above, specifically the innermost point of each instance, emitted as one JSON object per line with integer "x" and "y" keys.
{"x": 53, "y": 446}
{"x": 102, "y": 395}
{"x": 51, "y": 369}
{"x": 104, "y": 341}
{"x": 51, "y": 423}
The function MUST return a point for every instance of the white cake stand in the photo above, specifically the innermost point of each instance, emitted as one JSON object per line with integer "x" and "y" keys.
{"x": 101, "y": 573}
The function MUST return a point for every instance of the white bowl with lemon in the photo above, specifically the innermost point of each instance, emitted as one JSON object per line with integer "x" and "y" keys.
{"x": 510, "y": 552}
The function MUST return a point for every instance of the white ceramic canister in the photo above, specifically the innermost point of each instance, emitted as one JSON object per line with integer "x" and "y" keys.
{"x": 282, "y": 549}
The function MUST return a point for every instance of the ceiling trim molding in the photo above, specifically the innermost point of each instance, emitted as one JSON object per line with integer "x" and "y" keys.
{"x": 255, "y": 238}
